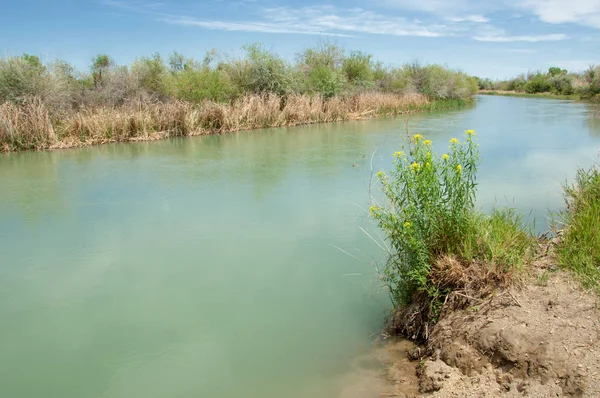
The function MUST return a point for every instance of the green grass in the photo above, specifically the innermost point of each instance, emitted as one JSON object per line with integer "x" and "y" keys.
{"x": 501, "y": 238}
{"x": 579, "y": 248}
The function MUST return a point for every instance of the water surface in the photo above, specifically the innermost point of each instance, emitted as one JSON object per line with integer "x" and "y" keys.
{"x": 235, "y": 265}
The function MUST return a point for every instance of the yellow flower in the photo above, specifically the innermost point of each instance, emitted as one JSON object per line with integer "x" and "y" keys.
{"x": 428, "y": 164}
{"x": 407, "y": 225}
{"x": 428, "y": 155}
{"x": 399, "y": 154}
{"x": 417, "y": 137}
{"x": 380, "y": 174}
{"x": 459, "y": 168}
{"x": 445, "y": 156}
{"x": 454, "y": 141}
{"x": 415, "y": 166}
{"x": 470, "y": 132}
{"x": 427, "y": 142}
{"x": 374, "y": 209}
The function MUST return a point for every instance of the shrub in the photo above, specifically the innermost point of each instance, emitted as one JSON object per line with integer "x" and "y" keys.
{"x": 436, "y": 82}
{"x": 444, "y": 252}
{"x": 592, "y": 78}
{"x": 197, "y": 83}
{"x": 358, "y": 69}
{"x": 22, "y": 77}
{"x": 326, "y": 55}
{"x": 431, "y": 201}
{"x": 260, "y": 72}
{"x": 484, "y": 84}
{"x": 516, "y": 84}
{"x": 561, "y": 84}
{"x": 151, "y": 74}
{"x": 325, "y": 81}
{"x": 537, "y": 83}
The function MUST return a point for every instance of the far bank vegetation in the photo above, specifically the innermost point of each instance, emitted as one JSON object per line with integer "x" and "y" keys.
{"x": 53, "y": 105}
{"x": 556, "y": 81}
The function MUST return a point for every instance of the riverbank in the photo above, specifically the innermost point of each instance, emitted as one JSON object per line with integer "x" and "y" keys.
{"x": 534, "y": 329}
{"x": 538, "y": 338}
{"x": 573, "y": 97}
{"x": 32, "y": 126}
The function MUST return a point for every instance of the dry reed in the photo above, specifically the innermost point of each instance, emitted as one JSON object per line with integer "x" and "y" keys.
{"x": 31, "y": 126}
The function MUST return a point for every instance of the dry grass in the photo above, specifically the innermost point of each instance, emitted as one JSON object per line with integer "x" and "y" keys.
{"x": 31, "y": 126}
{"x": 26, "y": 126}
{"x": 465, "y": 284}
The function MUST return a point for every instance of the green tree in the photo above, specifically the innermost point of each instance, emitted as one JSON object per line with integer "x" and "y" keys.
{"x": 555, "y": 71}
{"x": 151, "y": 74}
{"x": 358, "y": 69}
{"x": 100, "y": 64}
{"x": 177, "y": 62}
{"x": 22, "y": 77}
{"x": 260, "y": 71}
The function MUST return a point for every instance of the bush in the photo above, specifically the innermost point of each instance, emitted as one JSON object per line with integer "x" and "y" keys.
{"x": 151, "y": 74}
{"x": 561, "y": 84}
{"x": 197, "y": 83}
{"x": 431, "y": 201}
{"x": 325, "y": 81}
{"x": 260, "y": 72}
{"x": 358, "y": 69}
{"x": 484, "y": 84}
{"x": 442, "y": 247}
{"x": 327, "y": 55}
{"x": 22, "y": 77}
{"x": 592, "y": 78}
{"x": 516, "y": 84}
{"x": 435, "y": 81}
{"x": 537, "y": 83}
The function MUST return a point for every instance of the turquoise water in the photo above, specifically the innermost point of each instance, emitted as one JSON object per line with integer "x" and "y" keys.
{"x": 235, "y": 265}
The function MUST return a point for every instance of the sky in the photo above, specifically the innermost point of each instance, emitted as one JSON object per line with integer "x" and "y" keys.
{"x": 496, "y": 39}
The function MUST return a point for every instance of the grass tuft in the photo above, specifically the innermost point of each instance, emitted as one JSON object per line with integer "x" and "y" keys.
{"x": 579, "y": 248}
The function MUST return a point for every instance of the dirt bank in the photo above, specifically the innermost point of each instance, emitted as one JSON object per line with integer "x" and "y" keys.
{"x": 539, "y": 339}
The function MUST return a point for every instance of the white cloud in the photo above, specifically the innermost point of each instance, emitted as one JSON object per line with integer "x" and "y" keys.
{"x": 443, "y": 7}
{"x": 245, "y": 26}
{"x": 527, "y": 39}
{"x": 335, "y": 21}
{"x": 331, "y": 19}
{"x": 326, "y": 20}
{"x": 469, "y": 18}
{"x": 582, "y": 12}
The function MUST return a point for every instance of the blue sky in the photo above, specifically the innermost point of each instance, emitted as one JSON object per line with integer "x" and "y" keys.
{"x": 496, "y": 39}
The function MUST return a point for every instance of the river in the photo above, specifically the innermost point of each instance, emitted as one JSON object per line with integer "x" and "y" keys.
{"x": 234, "y": 265}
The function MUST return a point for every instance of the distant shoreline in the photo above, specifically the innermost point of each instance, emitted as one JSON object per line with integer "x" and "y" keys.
{"x": 572, "y": 97}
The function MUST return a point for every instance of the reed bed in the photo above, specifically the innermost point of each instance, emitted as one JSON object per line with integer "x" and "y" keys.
{"x": 31, "y": 125}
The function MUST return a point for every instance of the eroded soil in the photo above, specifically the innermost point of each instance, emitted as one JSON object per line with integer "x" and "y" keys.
{"x": 540, "y": 339}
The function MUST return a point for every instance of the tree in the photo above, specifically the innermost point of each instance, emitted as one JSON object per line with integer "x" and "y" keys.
{"x": 99, "y": 66}
{"x": 358, "y": 68}
{"x": 177, "y": 62}
{"x": 555, "y": 71}
{"x": 151, "y": 74}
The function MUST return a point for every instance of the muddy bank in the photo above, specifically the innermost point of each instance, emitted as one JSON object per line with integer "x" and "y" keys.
{"x": 538, "y": 339}
{"x": 385, "y": 371}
